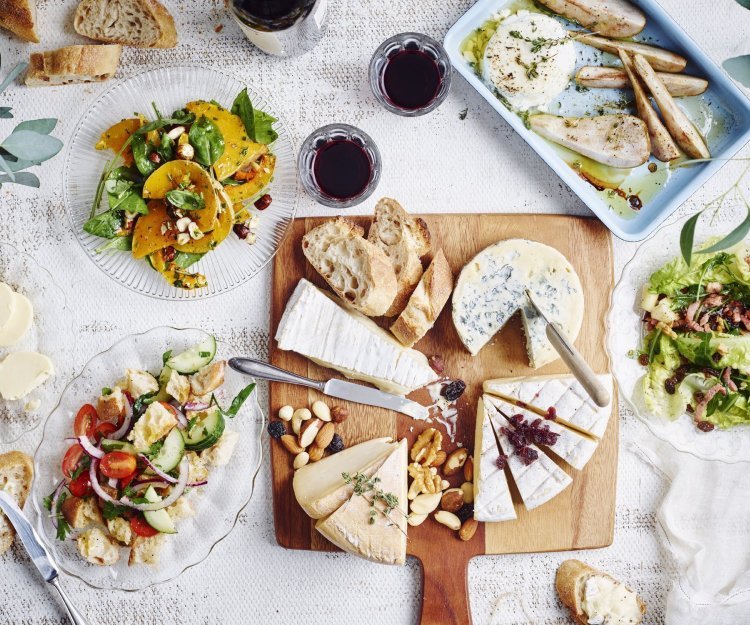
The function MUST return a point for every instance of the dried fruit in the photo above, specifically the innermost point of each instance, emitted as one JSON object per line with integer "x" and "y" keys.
{"x": 241, "y": 230}
{"x": 501, "y": 462}
{"x": 448, "y": 519}
{"x": 455, "y": 461}
{"x": 276, "y": 429}
{"x": 437, "y": 364}
{"x": 290, "y": 444}
{"x": 467, "y": 512}
{"x": 454, "y": 390}
{"x": 263, "y": 202}
{"x": 325, "y": 436}
{"x": 452, "y": 500}
{"x": 339, "y": 414}
{"x": 336, "y": 445}
{"x": 468, "y": 529}
{"x": 705, "y": 426}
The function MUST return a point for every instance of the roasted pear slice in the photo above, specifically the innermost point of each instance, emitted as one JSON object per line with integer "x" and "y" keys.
{"x": 659, "y": 58}
{"x": 611, "y": 18}
{"x": 680, "y": 127}
{"x": 604, "y": 77}
{"x": 615, "y": 140}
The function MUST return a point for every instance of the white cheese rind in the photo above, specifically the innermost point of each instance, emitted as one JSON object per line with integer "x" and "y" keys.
{"x": 491, "y": 288}
{"x": 331, "y": 335}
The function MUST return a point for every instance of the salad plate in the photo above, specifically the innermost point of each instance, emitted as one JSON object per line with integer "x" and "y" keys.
{"x": 629, "y": 340}
{"x": 160, "y": 92}
{"x": 216, "y": 504}
{"x": 51, "y": 334}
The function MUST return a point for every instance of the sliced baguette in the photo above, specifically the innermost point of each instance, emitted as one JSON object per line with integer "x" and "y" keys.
{"x": 404, "y": 239}
{"x": 426, "y": 302}
{"x": 138, "y": 23}
{"x": 570, "y": 583}
{"x": 16, "y": 475}
{"x": 358, "y": 271}
{"x": 73, "y": 64}
{"x": 19, "y": 17}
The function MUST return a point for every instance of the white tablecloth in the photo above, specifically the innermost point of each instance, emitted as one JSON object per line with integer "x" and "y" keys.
{"x": 472, "y": 165}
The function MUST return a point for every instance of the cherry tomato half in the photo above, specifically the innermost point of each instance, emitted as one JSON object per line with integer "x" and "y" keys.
{"x": 81, "y": 486}
{"x": 117, "y": 464}
{"x": 141, "y": 527}
{"x": 71, "y": 459}
{"x": 85, "y": 423}
{"x": 104, "y": 429}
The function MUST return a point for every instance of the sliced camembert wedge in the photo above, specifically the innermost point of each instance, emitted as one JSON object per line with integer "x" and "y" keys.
{"x": 320, "y": 488}
{"x": 572, "y": 405}
{"x": 343, "y": 339}
{"x": 492, "y": 500}
{"x": 367, "y": 528}
{"x": 537, "y": 482}
{"x": 491, "y": 288}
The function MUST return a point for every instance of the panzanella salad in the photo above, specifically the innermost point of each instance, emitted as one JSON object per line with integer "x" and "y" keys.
{"x": 697, "y": 346}
{"x": 179, "y": 185}
{"x": 137, "y": 455}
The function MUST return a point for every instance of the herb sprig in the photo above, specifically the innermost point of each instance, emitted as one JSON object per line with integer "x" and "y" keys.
{"x": 364, "y": 486}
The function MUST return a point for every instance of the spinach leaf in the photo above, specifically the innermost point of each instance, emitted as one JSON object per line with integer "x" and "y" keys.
{"x": 185, "y": 259}
{"x": 121, "y": 244}
{"x": 186, "y": 200}
{"x": 106, "y": 224}
{"x": 141, "y": 150}
{"x": 179, "y": 118}
{"x": 134, "y": 204}
{"x": 237, "y": 402}
{"x": 207, "y": 141}
{"x": 242, "y": 107}
{"x": 165, "y": 357}
{"x": 139, "y": 406}
{"x": 166, "y": 149}
{"x": 264, "y": 132}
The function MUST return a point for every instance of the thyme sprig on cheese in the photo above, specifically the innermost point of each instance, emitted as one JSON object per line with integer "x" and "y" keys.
{"x": 364, "y": 486}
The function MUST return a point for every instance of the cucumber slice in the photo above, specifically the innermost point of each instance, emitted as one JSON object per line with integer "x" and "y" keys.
{"x": 158, "y": 519}
{"x": 163, "y": 379}
{"x": 109, "y": 444}
{"x": 171, "y": 452}
{"x": 195, "y": 358}
{"x": 206, "y": 432}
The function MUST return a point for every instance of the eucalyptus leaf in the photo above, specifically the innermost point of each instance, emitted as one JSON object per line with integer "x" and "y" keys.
{"x": 738, "y": 67}
{"x": 32, "y": 146}
{"x": 734, "y": 237}
{"x": 25, "y": 178}
{"x": 744, "y": 3}
{"x": 42, "y": 126}
{"x": 7, "y": 169}
{"x": 12, "y": 75}
{"x": 14, "y": 163}
{"x": 687, "y": 236}
{"x": 5, "y": 112}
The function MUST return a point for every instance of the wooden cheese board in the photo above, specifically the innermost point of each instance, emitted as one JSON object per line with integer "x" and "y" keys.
{"x": 581, "y": 517}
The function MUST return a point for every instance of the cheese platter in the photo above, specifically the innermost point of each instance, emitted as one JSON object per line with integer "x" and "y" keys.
{"x": 316, "y": 509}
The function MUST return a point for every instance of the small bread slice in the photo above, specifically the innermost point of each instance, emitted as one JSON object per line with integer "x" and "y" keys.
{"x": 19, "y": 17}
{"x": 72, "y": 65}
{"x": 426, "y": 302}
{"x": 138, "y": 23}
{"x": 16, "y": 475}
{"x": 570, "y": 583}
{"x": 358, "y": 271}
{"x": 404, "y": 239}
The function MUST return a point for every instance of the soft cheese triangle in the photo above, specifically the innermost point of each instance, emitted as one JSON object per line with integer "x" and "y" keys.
{"x": 573, "y": 406}
{"x": 7, "y": 303}
{"x": 492, "y": 500}
{"x": 380, "y": 538}
{"x": 537, "y": 482}
{"x": 22, "y": 372}
{"x": 491, "y": 288}
{"x": 19, "y": 322}
{"x": 335, "y": 336}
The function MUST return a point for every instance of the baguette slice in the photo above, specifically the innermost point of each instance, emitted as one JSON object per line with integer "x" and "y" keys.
{"x": 404, "y": 239}
{"x": 570, "y": 583}
{"x": 139, "y": 23}
{"x": 19, "y": 17}
{"x": 73, "y": 64}
{"x": 16, "y": 474}
{"x": 358, "y": 271}
{"x": 426, "y": 302}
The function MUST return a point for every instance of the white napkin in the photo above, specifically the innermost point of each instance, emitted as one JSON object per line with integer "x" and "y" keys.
{"x": 705, "y": 519}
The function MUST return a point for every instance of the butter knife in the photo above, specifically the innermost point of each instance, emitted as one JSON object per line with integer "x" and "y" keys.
{"x": 333, "y": 388}
{"x": 572, "y": 357}
{"x": 38, "y": 553}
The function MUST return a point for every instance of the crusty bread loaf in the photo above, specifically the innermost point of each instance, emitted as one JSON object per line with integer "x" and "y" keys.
{"x": 358, "y": 271}
{"x": 139, "y": 23}
{"x": 19, "y": 17}
{"x": 426, "y": 302}
{"x": 570, "y": 584}
{"x": 73, "y": 64}
{"x": 404, "y": 239}
{"x": 16, "y": 475}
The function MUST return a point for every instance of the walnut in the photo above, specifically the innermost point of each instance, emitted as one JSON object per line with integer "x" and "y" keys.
{"x": 426, "y": 480}
{"x": 426, "y": 447}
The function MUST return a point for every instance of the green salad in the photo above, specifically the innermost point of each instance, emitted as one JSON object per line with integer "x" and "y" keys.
{"x": 697, "y": 344}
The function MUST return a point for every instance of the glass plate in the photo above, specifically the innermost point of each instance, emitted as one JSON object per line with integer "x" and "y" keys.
{"x": 231, "y": 263}
{"x": 51, "y": 334}
{"x": 625, "y": 333}
{"x": 217, "y": 505}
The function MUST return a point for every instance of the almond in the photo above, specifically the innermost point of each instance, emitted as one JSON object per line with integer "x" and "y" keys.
{"x": 452, "y": 500}
{"x": 316, "y": 453}
{"x": 468, "y": 529}
{"x": 439, "y": 459}
{"x": 448, "y": 519}
{"x": 455, "y": 461}
{"x": 325, "y": 435}
{"x": 321, "y": 410}
{"x": 309, "y": 431}
{"x": 469, "y": 469}
{"x": 301, "y": 459}
{"x": 290, "y": 444}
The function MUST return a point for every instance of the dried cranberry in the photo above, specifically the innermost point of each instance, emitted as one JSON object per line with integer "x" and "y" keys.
{"x": 670, "y": 385}
{"x": 454, "y": 390}
{"x": 527, "y": 455}
{"x": 263, "y": 202}
{"x": 241, "y": 230}
{"x": 705, "y": 426}
{"x": 169, "y": 254}
{"x": 643, "y": 360}
{"x": 465, "y": 512}
{"x": 501, "y": 462}
{"x": 276, "y": 429}
{"x": 690, "y": 408}
{"x": 699, "y": 396}
{"x": 437, "y": 364}
{"x": 551, "y": 413}
{"x": 154, "y": 157}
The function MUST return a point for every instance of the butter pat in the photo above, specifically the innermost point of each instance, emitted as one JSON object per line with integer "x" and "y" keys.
{"x": 22, "y": 372}
{"x": 16, "y": 315}
{"x": 610, "y": 602}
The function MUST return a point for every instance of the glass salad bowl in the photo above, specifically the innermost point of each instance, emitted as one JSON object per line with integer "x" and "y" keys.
{"x": 626, "y": 332}
{"x": 217, "y": 505}
{"x": 51, "y": 334}
{"x": 169, "y": 88}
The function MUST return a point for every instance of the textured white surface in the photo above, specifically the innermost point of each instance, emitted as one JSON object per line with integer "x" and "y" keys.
{"x": 474, "y": 165}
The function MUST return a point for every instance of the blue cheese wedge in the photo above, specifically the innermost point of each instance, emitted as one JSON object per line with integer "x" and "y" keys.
{"x": 364, "y": 527}
{"x": 491, "y": 289}
{"x": 492, "y": 500}
{"x": 334, "y": 336}
{"x": 572, "y": 404}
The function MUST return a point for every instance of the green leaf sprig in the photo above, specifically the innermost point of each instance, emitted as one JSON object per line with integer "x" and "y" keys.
{"x": 258, "y": 124}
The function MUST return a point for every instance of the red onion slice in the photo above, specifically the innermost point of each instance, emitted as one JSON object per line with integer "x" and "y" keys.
{"x": 94, "y": 479}
{"x": 89, "y": 447}
{"x": 197, "y": 405}
{"x": 165, "y": 476}
{"x": 55, "y": 499}
{"x": 177, "y": 491}
{"x": 182, "y": 421}
{"x": 123, "y": 429}
{"x": 136, "y": 488}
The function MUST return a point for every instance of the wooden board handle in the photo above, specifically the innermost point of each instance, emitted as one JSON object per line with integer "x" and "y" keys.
{"x": 445, "y": 591}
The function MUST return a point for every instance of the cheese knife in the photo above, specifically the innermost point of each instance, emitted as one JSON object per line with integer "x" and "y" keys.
{"x": 38, "y": 553}
{"x": 572, "y": 357}
{"x": 333, "y": 388}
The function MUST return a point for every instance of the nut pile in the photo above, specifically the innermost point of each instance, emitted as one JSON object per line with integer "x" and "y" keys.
{"x": 313, "y": 431}
{"x": 430, "y": 492}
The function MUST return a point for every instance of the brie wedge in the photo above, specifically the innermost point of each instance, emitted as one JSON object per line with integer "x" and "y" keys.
{"x": 317, "y": 327}
{"x": 572, "y": 404}
{"x": 22, "y": 372}
{"x": 537, "y": 482}
{"x": 492, "y": 500}
{"x": 364, "y": 527}
{"x": 319, "y": 487}
{"x": 491, "y": 288}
